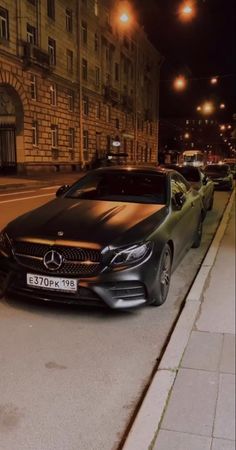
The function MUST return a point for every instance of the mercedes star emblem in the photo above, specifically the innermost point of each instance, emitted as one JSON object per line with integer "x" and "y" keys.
{"x": 52, "y": 260}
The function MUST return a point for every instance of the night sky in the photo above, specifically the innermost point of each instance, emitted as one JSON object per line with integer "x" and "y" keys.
{"x": 201, "y": 48}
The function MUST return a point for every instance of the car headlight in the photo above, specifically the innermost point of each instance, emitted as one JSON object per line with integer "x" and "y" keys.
{"x": 5, "y": 247}
{"x": 130, "y": 255}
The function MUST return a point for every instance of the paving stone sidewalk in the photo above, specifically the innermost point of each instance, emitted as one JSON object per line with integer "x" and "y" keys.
{"x": 200, "y": 414}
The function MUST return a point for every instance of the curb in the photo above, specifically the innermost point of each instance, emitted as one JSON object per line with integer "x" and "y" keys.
{"x": 144, "y": 430}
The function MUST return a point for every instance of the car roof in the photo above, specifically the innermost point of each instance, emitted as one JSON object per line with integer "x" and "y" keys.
{"x": 130, "y": 168}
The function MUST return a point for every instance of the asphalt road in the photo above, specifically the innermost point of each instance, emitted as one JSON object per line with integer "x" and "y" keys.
{"x": 70, "y": 378}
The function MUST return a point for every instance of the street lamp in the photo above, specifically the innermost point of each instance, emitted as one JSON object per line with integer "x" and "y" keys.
{"x": 180, "y": 83}
{"x": 186, "y": 11}
{"x": 207, "y": 108}
{"x": 222, "y": 106}
{"x": 124, "y": 17}
{"x": 186, "y": 136}
{"x": 214, "y": 80}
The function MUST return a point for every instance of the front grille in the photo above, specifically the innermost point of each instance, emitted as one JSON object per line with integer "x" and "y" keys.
{"x": 76, "y": 261}
{"x": 128, "y": 290}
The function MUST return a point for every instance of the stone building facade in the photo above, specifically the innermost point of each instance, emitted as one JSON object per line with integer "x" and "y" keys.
{"x": 74, "y": 79}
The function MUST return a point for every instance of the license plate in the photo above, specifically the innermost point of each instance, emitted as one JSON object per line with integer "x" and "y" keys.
{"x": 53, "y": 283}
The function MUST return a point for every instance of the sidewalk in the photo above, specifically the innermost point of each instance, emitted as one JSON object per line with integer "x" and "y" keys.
{"x": 37, "y": 180}
{"x": 190, "y": 404}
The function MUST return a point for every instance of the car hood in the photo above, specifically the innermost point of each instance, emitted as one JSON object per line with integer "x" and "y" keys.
{"x": 88, "y": 221}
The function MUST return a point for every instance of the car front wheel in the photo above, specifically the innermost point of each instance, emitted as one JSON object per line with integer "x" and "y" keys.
{"x": 198, "y": 234}
{"x": 163, "y": 277}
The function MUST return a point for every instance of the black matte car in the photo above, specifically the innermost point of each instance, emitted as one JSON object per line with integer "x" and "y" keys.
{"x": 112, "y": 238}
{"x": 198, "y": 180}
{"x": 221, "y": 176}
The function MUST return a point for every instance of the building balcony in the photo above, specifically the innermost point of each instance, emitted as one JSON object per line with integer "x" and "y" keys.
{"x": 33, "y": 55}
{"x": 111, "y": 95}
{"x": 127, "y": 103}
{"x": 148, "y": 115}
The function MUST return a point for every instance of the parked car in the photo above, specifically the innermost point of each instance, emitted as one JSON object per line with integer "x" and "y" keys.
{"x": 232, "y": 164}
{"x": 221, "y": 176}
{"x": 199, "y": 181}
{"x": 112, "y": 238}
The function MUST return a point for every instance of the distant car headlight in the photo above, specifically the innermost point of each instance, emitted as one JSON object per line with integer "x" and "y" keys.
{"x": 5, "y": 246}
{"x": 130, "y": 255}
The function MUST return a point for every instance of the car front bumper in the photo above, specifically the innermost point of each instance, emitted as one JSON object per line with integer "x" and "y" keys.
{"x": 118, "y": 289}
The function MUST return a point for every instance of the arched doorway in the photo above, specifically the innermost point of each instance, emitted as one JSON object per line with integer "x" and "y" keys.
{"x": 11, "y": 128}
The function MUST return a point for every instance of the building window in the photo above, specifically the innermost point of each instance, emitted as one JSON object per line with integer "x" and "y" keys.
{"x": 85, "y": 145}
{"x": 126, "y": 42}
{"x": 108, "y": 79}
{"x": 151, "y": 128}
{"x": 117, "y": 124}
{"x": 33, "y": 87}
{"x": 132, "y": 150}
{"x": 35, "y": 132}
{"x": 96, "y": 43}
{"x": 52, "y": 51}
{"x": 116, "y": 72}
{"x": 54, "y": 136}
{"x": 69, "y": 60}
{"x": 98, "y": 110}
{"x": 131, "y": 71}
{"x": 31, "y": 34}
{"x": 51, "y": 9}
{"x": 108, "y": 113}
{"x": 71, "y": 140}
{"x": 53, "y": 94}
{"x": 71, "y": 100}
{"x": 85, "y": 105}
{"x": 4, "y": 24}
{"x": 69, "y": 20}
{"x": 108, "y": 143}
{"x": 84, "y": 29}
{"x": 96, "y": 7}
{"x": 84, "y": 69}
{"x": 97, "y": 76}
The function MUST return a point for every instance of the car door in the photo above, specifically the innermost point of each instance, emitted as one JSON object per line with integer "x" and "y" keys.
{"x": 184, "y": 219}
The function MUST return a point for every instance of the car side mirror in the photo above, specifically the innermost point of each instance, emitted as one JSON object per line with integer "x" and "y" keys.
{"x": 62, "y": 190}
{"x": 179, "y": 199}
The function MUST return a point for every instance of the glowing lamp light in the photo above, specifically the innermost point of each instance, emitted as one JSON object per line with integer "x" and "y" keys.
{"x": 222, "y": 106}
{"x": 187, "y": 136}
{"x": 180, "y": 83}
{"x": 186, "y": 11}
{"x": 199, "y": 108}
{"x": 124, "y": 18}
{"x": 207, "y": 108}
{"x": 214, "y": 80}
{"x": 222, "y": 127}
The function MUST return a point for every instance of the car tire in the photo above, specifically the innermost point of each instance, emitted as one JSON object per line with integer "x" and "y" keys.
{"x": 163, "y": 277}
{"x": 211, "y": 203}
{"x": 198, "y": 234}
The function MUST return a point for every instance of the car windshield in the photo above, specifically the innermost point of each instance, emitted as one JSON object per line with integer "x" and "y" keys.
{"x": 189, "y": 173}
{"x": 217, "y": 168}
{"x": 135, "y": 187}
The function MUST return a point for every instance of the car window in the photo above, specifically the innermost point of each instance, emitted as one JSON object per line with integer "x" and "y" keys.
{"x": 138, "y": 187}
{"x": 190, "y": 173}
{"x": 178, "y": 184}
